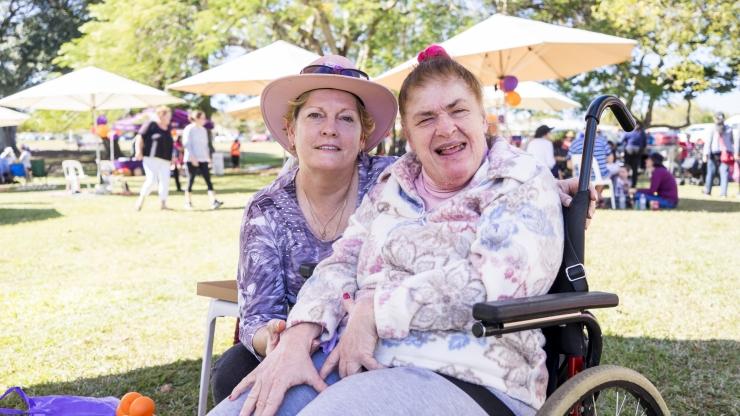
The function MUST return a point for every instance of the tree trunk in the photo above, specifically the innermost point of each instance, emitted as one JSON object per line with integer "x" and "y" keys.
{"x": 7, "y": 139}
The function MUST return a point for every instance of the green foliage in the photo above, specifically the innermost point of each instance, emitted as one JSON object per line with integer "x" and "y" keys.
{"x": 31, "y": 32}
{"x": 684, "y": 48}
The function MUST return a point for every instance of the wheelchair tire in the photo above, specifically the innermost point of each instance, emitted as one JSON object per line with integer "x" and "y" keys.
{"x": 593, "y": 391}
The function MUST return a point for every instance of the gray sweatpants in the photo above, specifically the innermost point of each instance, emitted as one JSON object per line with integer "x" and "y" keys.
{"x": 395, "y": 391}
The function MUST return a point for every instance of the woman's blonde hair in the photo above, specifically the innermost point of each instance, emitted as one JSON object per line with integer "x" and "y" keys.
{"x": 162, "y": 109}
{"x": 366, "y": 120}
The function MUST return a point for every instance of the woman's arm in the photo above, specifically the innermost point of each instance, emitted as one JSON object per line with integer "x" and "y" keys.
{"x": 260, "y": 280}
{"x": 516, "y": 252}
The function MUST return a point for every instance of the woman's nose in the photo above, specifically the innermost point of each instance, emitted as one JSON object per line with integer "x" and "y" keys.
{"x": 329, "y": 129}
{"x": 445, "y": 125}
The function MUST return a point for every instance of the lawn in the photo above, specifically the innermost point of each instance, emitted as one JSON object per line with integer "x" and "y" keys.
{"x": 97, "y": 299}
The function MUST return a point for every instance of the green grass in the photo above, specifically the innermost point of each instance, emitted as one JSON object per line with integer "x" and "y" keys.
{"x": 96, "y": 299}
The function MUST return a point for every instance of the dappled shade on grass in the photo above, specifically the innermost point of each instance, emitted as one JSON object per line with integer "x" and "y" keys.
{"x": 18, "y": 215}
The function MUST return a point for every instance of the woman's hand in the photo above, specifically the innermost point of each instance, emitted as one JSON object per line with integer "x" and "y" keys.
{"x": 266, "y": 338}
{"x": 357, "y": 344}
{"x": 288, "y": 365}
{"x": 567, "y": 189}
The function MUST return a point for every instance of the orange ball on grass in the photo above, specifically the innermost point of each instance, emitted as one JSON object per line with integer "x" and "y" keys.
{"x": 125, "y": 403}
{"x": 143, "y": 406}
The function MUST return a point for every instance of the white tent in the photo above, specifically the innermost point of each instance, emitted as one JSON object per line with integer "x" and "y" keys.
{"x": 89, "y": 89}
{"x": 535, "y": 96}
{"x": 248, "y": 110}
{"x": 249, "y": 73}
{"x": 10, "y": 117}
{"x": 530, "y": 50}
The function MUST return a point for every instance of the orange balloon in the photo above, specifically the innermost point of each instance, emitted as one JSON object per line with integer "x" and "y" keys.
{"x": 513, "y": 98}
{"x": 143, "y": 406}
{"x": 125, "y": 404}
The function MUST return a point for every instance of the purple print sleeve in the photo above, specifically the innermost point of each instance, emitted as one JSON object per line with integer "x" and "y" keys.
{"x": 260, "y": 277}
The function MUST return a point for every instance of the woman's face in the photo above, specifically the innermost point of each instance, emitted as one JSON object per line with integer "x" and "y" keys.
{"x": 445, "y": 126}
{"x": 327, "y": 131}
{"x": 201, "y": 120}
{"x": 164, "y": 117}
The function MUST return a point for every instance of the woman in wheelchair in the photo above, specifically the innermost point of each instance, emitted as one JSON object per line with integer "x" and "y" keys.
{"x": 449, "y": 225}
{"x": 297, "y": 218}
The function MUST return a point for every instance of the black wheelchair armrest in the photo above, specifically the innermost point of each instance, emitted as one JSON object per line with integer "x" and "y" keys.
{"x": 534, "y": 307}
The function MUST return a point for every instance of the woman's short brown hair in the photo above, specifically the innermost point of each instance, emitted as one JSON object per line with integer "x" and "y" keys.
{"x": 196, "y": 114}
{"x": 366, "y": 120}
{"x": 438, "y": 68}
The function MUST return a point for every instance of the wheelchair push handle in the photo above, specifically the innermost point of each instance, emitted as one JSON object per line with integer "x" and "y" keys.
{"x": 593, "y": 116}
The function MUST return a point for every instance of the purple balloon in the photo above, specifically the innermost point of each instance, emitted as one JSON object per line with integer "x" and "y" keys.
{"x": 102, "y": 119}
{"x": 510, "y": 83}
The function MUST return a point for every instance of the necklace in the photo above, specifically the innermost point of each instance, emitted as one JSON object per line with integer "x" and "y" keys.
{"x": 325, "y": 226}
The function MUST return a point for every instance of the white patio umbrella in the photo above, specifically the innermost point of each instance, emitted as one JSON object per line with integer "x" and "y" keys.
{"x": 249, "y": 73}
{"x": 89, "y": 89}
{"x": 248, "y": 110}
{"x": 10, "y": 117}
{"x": 530, "y": 50}
{"x": 535, "y": 96}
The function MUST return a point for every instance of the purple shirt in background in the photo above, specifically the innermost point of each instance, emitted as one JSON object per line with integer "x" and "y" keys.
{"x": 275, "y": 240}
{"x": 663, "y": 184}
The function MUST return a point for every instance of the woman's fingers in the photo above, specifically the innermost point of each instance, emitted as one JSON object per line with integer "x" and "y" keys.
{"x": 242, "y": 386}
{"x": 315, "y": 344}
{"x": 317, "y": 382}
{"x": 249, "y": 405}
{"x": 276, "y": 326}
{"x": 370, "y": 363}
{"x": 273, "y": 401}
{"x": 330, "y": 364}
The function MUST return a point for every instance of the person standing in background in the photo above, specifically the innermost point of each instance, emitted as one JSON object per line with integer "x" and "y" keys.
{"x": 718, "y": 155}
{"x": 153, "y": 146}
{"x": 634, "y": 146}
{"x": 177, "y": 160}
{"x": 198, "y": 157}
{"x": 235, "y": 153}
{"x": 542, "y": 149}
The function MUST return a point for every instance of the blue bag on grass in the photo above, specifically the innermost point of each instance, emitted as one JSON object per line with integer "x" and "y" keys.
{"x": 61, "y": 405}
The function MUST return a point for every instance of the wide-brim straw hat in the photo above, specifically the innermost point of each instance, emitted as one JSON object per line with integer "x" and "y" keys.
{"x": 378, "y": 100}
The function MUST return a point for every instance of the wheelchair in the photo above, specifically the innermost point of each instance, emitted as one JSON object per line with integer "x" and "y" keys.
{"x": 577, "y": 384}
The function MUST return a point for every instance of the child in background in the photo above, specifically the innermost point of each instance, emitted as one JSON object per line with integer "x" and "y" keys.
{"x": 622, "y": 187}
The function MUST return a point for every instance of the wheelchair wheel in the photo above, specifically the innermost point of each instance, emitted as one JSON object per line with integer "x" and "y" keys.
{"x": 605, "y": 390}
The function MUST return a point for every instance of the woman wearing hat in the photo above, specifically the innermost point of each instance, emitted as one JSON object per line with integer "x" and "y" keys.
{"x": 363, "y": 263}
{"x": 328, "y": 117}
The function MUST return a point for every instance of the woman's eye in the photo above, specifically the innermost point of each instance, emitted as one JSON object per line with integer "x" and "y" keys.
{"x": 460, "y": 111}
{"x": 313, "y": 115}
{"x": 347, "y": 118}
{"x": 424, "y": 121}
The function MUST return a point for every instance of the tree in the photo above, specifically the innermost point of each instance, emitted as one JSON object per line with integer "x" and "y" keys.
{"x": 684, "y": 47}
{"x": 31, "y": 32}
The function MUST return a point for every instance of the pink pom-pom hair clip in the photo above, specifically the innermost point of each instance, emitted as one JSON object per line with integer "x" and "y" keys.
{"x": 430, "y": 52}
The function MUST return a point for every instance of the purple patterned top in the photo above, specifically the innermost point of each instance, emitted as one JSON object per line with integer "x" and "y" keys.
{"x": 275, "y": 240}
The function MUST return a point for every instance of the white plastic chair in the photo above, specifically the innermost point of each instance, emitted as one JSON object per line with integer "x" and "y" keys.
{"x": 597, "y": 179}
{"x": 73, "y": 175}
{"x": 217, "y": 308}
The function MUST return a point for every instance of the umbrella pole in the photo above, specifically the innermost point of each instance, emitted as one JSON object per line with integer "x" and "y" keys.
{"x": 97, "y": 152}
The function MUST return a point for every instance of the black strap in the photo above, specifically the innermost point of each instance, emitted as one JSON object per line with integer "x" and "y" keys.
{"x": 573, "y": 269}
{"x": 481, "y": 395}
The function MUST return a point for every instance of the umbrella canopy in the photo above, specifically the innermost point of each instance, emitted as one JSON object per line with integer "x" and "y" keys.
{"x": 248, "y": 110}
{"x": 89, "y": 89}
{"x": 249, "y": 73}
{"x": 9, "y": 117}
{"x": 535, "y": 96}
{"x": 530, "y": 50}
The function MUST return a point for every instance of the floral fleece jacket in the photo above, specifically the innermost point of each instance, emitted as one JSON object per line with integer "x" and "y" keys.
{"x": 499, "y": 238}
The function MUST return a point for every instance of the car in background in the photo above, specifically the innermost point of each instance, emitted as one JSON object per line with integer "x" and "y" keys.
{"x": 698, "y": 132}
{"x": 663, "y": 136}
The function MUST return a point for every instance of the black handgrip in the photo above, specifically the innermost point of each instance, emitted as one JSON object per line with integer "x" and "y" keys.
{"x": 620, "y": 111}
